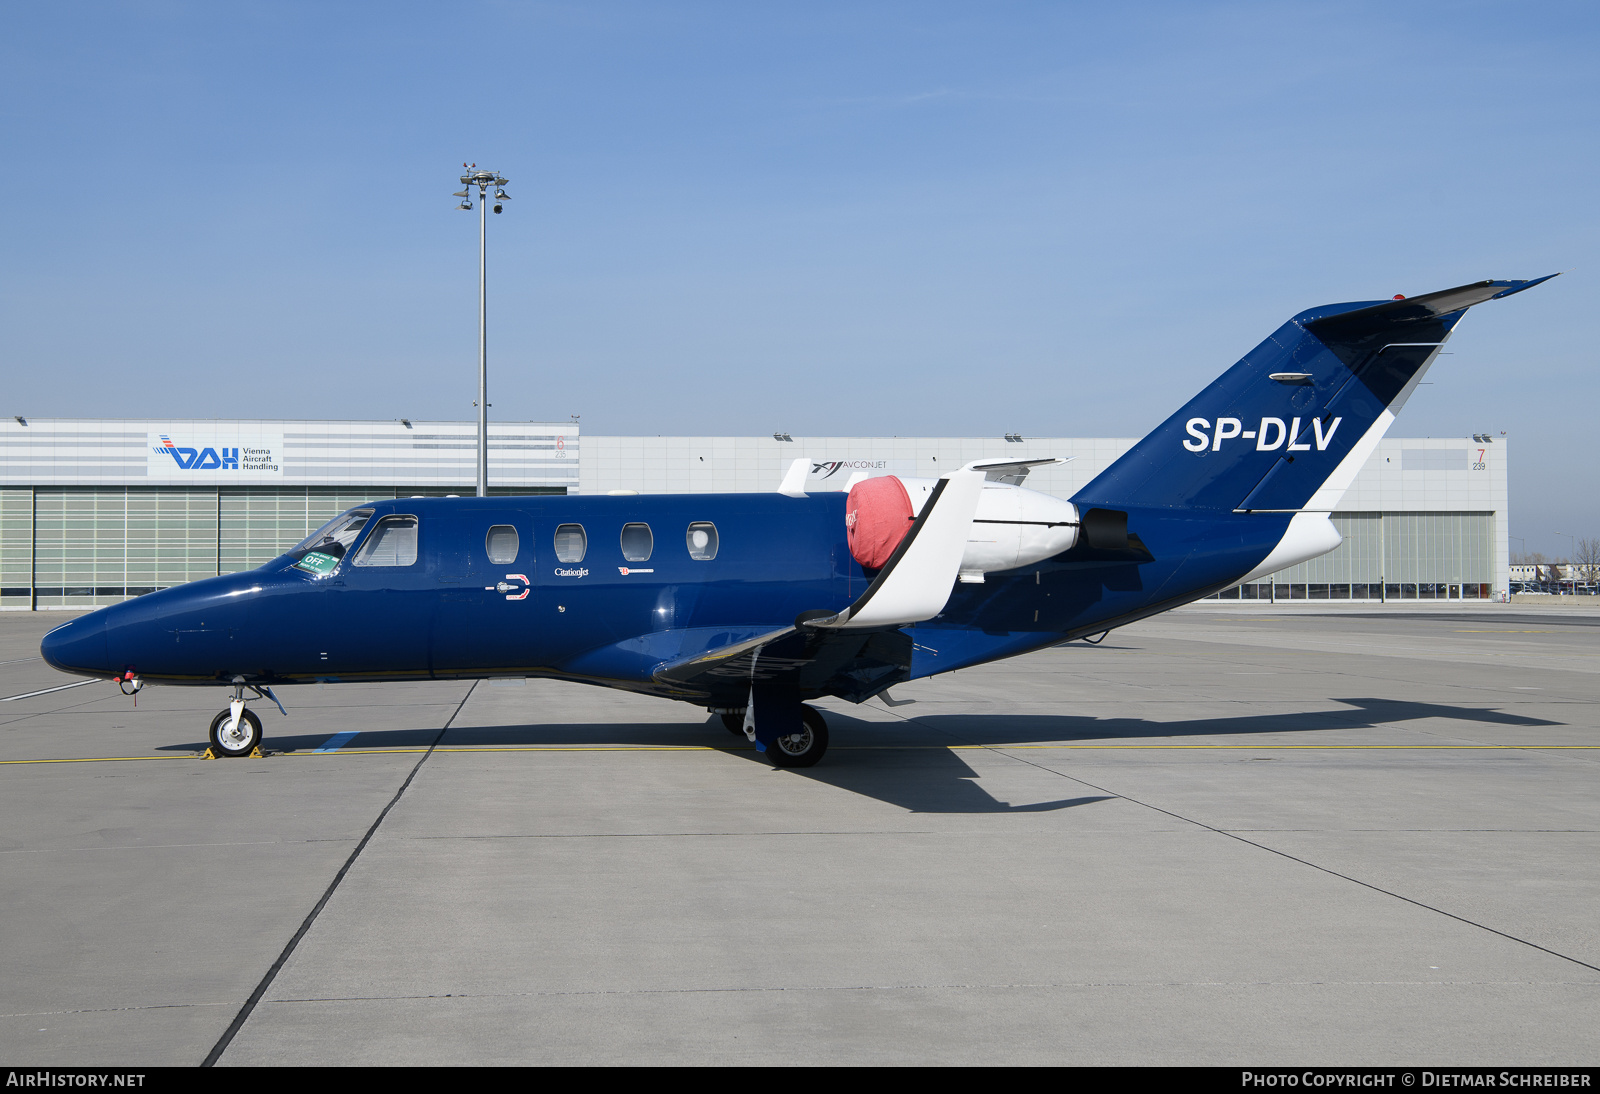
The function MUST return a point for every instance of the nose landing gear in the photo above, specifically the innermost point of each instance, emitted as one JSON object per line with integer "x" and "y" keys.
{"x": 237, "y": 731}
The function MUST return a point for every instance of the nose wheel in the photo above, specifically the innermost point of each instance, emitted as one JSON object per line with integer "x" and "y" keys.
{"x": 235, "y": 736}
{"x": 237, "y": 731}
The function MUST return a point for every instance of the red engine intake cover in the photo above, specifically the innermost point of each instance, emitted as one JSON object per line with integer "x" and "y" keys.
{"x": 877, "y": 516}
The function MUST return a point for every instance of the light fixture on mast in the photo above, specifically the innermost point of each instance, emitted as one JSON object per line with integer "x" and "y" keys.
{"x": 482, "y": 180}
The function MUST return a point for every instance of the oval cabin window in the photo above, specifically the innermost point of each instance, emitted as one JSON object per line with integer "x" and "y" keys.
{"x": 702, "y": 539}
{"x": 501, "y": 543}
{"x": 571, "y": 543}
{"x": 637, "y": 542}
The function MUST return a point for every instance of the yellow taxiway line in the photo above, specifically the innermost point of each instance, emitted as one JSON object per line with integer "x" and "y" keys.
{"x": 99, "y": 759}
{"x": 860, "y": 748}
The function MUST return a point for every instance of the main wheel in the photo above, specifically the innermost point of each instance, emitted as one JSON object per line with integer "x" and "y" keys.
{"x": 734, "y": 723}
{"x": 804, "y": 748}
{"x": 240, "y": 741}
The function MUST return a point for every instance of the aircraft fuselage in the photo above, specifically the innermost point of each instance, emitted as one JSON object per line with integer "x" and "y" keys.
{"x": 605, "y": 617}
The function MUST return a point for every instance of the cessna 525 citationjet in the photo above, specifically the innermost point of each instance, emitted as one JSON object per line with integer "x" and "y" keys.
{"x": 751, "y": 604}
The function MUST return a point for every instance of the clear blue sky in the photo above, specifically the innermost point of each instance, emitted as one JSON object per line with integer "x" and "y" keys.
{"x": 914, "y": 219}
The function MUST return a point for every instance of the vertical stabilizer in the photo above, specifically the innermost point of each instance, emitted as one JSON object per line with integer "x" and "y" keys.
{"x": 1288, "y": 428}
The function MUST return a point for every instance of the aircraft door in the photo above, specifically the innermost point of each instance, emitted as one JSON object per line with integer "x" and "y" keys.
{"x": 485, "y": 622}
{"x": 370, "y": 615}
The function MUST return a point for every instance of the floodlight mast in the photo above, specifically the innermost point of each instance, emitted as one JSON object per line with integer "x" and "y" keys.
{"x": 482, "y": 180}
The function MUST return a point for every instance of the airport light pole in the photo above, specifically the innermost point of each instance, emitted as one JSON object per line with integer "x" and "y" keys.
{"x": 482, "y": 180}
{"x": 1572, "y": 560}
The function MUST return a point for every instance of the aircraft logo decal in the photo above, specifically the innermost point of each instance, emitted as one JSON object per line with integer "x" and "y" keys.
{"x": 1269, "y": 435}
{"x": 625, "y": 570}
{"x": 832, "y": 466}
{"x": 579, "y": 572}
{"x": 505, "y": 587}
{"x": 199, "y": 459}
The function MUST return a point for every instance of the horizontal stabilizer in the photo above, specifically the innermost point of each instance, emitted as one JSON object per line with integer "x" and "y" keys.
{"x": 1413, "y": 320}
{"x": 1010, "y": 471}
{"x": 1429, "y": 305}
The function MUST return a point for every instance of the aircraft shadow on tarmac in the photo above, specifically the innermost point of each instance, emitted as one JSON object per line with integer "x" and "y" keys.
{"x": 1361, "y": 713}
{"x": 919, "y": 776}
{"x": 903, "y": 763}
{"x": 939, "y": 781}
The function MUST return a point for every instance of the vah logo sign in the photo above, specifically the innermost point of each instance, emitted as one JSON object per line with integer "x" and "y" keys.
{"x": 189, "y": 456}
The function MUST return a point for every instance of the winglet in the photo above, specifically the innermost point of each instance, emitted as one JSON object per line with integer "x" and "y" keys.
{"x": 794, "y": 479}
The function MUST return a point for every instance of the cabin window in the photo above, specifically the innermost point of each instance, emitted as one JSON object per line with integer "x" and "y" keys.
{"x": 501, "y": 543}
{"x": 571, "y": 543}
{"x": 392, "y": 543}
{"x": 637, "y": 542}
{"x": 702, "y": 539}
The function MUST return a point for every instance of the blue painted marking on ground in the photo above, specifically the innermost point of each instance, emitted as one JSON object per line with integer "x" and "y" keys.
{"x": 338, "y": 741}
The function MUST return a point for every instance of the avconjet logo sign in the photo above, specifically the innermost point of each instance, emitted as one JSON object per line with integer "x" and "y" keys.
{"x": 830, "y": 468}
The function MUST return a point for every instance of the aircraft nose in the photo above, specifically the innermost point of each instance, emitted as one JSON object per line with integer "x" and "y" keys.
{"x": 78, "y": 646}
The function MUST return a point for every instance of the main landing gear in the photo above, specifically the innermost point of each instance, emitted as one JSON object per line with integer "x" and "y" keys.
{"x": 236, "y": 731}
{"x": 797, "y": 749}
{"x": 804, "y": 748}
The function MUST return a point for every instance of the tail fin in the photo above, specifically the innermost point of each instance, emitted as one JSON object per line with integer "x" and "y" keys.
{"x": 1288, "y": 427}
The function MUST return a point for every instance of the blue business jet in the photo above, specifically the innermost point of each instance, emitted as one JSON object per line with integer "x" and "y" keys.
{"x": 751, "y": 604}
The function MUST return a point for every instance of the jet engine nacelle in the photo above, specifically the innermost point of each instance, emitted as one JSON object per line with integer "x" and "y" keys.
{"x": 1013, "y": 527}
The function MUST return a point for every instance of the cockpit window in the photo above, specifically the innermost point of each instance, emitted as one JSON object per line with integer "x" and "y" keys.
{"x": 335, "y": 537}
{"x": 320, "y": 552}
{"x": 392, "y": 543}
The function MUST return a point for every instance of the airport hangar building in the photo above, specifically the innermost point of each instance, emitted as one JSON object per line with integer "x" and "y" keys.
{"x": 93, "y": 511}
